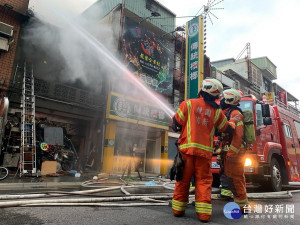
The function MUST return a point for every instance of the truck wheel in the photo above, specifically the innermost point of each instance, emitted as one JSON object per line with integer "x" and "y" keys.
{"x": 276, "y": 176}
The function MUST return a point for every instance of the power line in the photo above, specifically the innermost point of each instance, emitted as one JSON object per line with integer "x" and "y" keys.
{"x": 199, "y": 11}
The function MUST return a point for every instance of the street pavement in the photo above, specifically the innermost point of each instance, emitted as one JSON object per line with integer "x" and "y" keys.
{"x": 263, "y": 211}
{"x": 147, "y": 215}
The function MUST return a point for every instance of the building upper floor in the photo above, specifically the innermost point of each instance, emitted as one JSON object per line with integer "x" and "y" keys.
{"x": 256, "y": 76}
{"x": 146, "y": 12}
{"x": 19, "y": 6}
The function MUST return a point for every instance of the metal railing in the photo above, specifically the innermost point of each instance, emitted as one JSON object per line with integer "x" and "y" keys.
{"x": 289, "y": 107}
{"x": 68, "y": 94}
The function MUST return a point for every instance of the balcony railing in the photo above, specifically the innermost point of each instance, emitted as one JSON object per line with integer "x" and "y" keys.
{"x": 58, "y": 91}
{"x": 289, "y": 107}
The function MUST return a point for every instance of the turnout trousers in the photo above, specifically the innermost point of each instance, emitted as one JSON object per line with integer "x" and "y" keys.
{"x": 200, "y": 167}
{"x": 225, "y": 191}
{"x": 234, "y": 170}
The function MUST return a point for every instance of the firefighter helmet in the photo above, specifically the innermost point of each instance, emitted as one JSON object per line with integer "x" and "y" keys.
{"x": 232, "y": 96}
{"x": 242, "y": 94}
{"x": 212, "y": 87}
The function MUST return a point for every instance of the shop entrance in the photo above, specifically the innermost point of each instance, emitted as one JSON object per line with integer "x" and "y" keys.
{"x": 150, "y": 155}
{"x": 130, "y": 148}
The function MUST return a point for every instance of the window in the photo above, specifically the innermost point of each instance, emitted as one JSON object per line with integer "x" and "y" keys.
{"x": 259, "y": 118}
{"x": 246, "y": 105}
{"x": 256, "y": 76}
{"x": 287, "y": 131}
{"x": 267, "y": 85}
{"x": 297, "y": 125}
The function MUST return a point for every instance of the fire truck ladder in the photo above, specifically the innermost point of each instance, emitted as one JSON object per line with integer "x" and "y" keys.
{"x": 28, "y": 132}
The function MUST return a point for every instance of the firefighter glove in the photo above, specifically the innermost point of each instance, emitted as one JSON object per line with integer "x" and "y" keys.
{"x": 176, "y": 171}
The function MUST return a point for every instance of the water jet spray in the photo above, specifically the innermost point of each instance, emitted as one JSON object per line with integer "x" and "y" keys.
{"x": 100, "y": 50}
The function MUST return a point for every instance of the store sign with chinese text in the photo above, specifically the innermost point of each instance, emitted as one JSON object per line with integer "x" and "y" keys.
{"x": 149, "y": 57}
{"x": 130, "y": 110}
{"x": 282, "y": 95}
{"x": 194, "y": 57}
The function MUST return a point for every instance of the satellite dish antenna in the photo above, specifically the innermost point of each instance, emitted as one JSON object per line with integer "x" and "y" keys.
{"x": 210, "y": 6}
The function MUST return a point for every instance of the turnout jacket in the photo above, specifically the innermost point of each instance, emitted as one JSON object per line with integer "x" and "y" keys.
{"x": 237, "y": 137}
{"x": 199, "y": 120}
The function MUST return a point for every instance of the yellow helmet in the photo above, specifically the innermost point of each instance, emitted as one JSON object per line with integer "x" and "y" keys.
{"x": 232, "y": 96}
{"x": 212, "y": 87}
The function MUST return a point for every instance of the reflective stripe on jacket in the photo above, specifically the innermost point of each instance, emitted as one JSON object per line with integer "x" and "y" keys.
{"x": 237, "y": 138}
{"x": 199, "y": 121}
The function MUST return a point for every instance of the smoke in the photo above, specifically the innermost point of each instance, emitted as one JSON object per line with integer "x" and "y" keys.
{"x": 77, "y": 50}
{"x": 59, "y": 53}
{"x": 80, "y": 51}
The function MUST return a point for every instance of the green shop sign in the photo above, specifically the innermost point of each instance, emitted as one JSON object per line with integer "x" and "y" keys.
{"x": 123, "y": 108}
{"x": 194, "y": 57}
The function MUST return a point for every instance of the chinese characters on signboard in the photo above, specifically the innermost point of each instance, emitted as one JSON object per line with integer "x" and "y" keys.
{"x": 194, "y": 57}
{"x": 149, "y": 57}
{"x": 282, "y": 95}
{"x": 126, "y": 109}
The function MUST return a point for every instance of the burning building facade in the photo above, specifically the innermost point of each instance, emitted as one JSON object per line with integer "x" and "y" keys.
{"x": 104, "y": 107}
{"x": 138, "y": 117}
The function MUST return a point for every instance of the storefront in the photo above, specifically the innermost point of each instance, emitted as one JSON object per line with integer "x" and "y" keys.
{"x": 136, "y": 136}
{"x": 69, "y": 140}
{"x": 137, "y": 145}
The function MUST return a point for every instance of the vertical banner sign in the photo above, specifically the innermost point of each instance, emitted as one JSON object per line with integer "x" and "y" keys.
{"x": 194, "y": 57}
{"x": 282, "y": 95}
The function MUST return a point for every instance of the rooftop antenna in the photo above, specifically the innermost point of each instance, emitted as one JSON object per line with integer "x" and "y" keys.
{"x": 208, "y": 8}
{"x": 206, "y": 12}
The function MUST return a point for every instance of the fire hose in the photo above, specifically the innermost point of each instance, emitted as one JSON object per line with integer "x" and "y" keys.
{"x": 153, "y": 199}
{"x": 58, "y": 194}
{"x": 84, "y": 201}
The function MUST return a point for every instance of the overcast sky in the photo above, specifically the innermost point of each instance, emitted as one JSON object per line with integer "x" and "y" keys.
{"x": 270, "y": 26}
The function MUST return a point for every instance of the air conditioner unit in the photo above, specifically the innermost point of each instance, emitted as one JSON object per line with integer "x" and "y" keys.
{"x": 4, "y": 45}
{"x": 6, "y": 30}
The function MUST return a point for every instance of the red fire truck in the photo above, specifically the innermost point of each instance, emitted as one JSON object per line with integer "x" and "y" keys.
{"x": 274, "y": 158}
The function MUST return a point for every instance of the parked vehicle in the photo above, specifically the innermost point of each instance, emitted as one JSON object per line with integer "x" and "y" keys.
{"x": 274, "y": 158}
